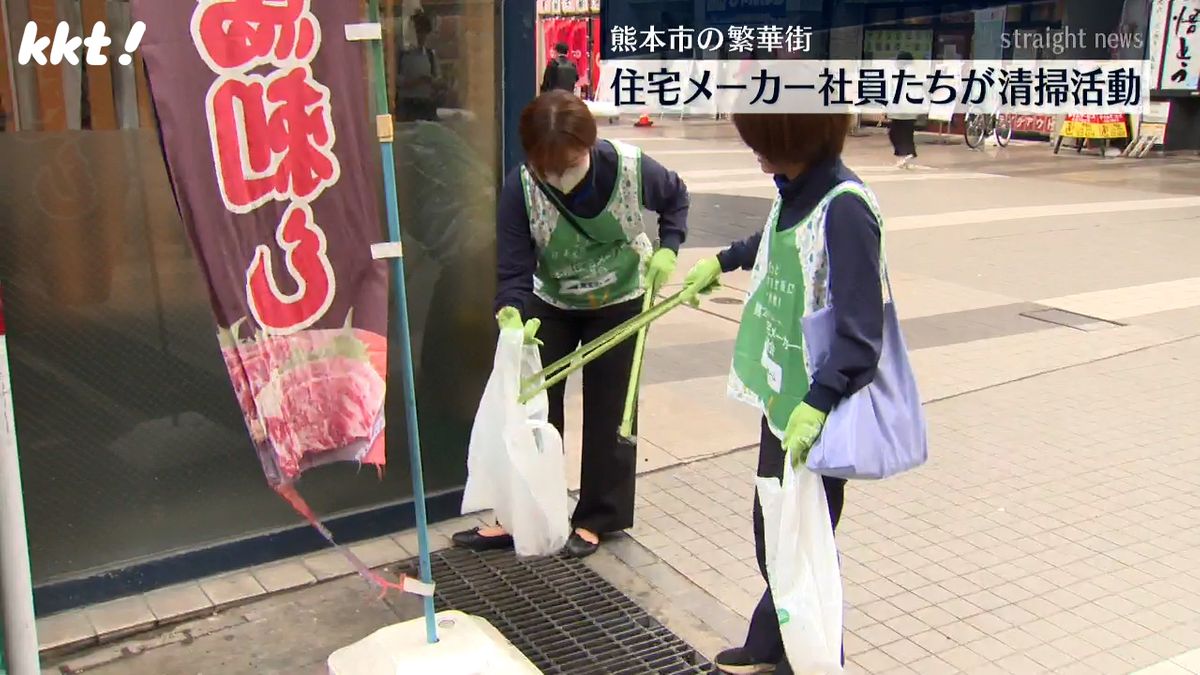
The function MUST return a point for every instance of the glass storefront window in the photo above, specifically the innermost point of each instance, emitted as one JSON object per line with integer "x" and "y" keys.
{"x": 132, "y": 445}
{"x": 955, "y": 14}
{"x": 882, "y": 15}
{"x": 1045, "y": 11}
{"x": 8, "y": 117}
{"x": 919, "y": 15}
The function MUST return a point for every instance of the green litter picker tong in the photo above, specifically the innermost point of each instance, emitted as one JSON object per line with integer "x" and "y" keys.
{"x": 625, "y": 432}
{"x": 559, "y": 370}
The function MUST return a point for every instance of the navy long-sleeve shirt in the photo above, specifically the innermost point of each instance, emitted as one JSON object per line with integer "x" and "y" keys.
{"x": 852, "y": 239}
{"x": 663, "y": 192}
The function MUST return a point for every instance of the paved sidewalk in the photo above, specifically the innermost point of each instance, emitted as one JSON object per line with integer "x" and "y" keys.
{"x": 1052, "y": 308}
{"x": 1052, "y": 531}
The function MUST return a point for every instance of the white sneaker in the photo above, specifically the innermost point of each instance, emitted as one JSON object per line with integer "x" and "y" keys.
{"x": 906, "y": 163}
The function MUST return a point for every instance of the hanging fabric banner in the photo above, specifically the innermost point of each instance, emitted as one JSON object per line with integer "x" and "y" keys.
{"x": 265, "y": 129}
{"x": 550, "y": 37}
{"x": 577, "y": 40}
{"x": 594, "y": 65}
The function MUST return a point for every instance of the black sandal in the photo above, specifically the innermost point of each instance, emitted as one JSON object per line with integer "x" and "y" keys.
{"x": 473, "y": 540}
{"x": 578, "y": 547}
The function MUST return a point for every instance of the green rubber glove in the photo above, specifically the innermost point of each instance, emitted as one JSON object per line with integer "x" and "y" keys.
{"x": 662, "y": 266}
{"x": 804, "y": 426}
{"x": 510, "y": 319}
{"x": 701, "y": 279}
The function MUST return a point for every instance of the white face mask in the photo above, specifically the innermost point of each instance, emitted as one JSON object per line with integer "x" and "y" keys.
{"x": 572, "y": 177}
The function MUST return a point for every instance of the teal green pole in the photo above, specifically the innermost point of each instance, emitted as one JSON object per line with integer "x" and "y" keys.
{"x": 387, "y": 151}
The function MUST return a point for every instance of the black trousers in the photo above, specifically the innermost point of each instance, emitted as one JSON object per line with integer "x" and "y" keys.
{"x": 902, "y": 135}
{"x": 415, "y": 109}
{"x": 609, "y": 468}
{"x": 764, "y": 641}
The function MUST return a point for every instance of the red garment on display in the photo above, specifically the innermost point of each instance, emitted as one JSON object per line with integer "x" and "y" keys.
{"x": 577, "y": 39}
{"x": 575, "y": 34}
{"x": 550, "y": 37}
{"x": 597, "y": 36}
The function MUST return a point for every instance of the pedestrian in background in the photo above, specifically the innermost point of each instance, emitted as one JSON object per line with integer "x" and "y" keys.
{"x": 560, "y": 73}
{"x": 902, "y": 126}
{"x": 420, "y": 76}
{"x": 794, "y": 268}
{"x": 574, "y": 259}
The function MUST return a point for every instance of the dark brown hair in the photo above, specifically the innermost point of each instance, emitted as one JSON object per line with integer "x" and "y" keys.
{"x": 554, "y": 128}
{"x": 794, "y": 138}
{"x": 422, "y": 23}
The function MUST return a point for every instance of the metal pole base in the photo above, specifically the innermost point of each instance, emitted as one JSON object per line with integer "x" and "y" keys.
{"x": 466, "y": 645}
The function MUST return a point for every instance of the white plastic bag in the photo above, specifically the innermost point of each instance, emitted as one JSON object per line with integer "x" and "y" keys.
{"x": 515, "y": 464}
{"x": 802, "y": 565}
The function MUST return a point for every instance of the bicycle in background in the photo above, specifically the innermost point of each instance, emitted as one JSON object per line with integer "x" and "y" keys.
{"x": 979, "y": 125}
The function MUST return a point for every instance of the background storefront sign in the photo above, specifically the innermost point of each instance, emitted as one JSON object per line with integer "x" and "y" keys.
{"x": 264, "y": 129}
{"x": 1175, "y": 45}
{"x": 1154, "y": 130}
{"x": 1033, "y": 124}
{"x": 1156, "y": 39}
{"x": 1094, "y": 126}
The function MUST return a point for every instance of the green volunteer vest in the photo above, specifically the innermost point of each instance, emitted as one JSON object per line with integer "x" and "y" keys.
{"x": 605, "y": 267}
{"x": 771, "y": 364}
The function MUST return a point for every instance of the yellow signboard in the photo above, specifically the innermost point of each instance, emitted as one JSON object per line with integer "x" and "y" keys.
{"x": 1094, "y": 126}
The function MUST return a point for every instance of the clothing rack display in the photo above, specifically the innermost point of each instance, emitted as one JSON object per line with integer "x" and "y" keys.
{"x": 577, "y": 24}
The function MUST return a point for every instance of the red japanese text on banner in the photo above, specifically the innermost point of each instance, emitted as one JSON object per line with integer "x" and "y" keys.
{"x": 266, "y": 133}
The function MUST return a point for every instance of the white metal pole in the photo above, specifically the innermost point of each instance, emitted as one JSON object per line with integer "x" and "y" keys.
{"x": 20, "y": 628}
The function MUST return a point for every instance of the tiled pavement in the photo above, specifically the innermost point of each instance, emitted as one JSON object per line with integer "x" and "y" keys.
{"x": 965, "y": 289}
{"x": 1054, "y": 528}
{"x": 1052, "y": 531}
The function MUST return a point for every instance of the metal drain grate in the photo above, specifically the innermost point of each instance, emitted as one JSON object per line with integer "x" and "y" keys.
{"x": 563, "y": 616}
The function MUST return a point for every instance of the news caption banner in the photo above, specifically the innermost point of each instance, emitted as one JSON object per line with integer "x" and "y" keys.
{"x": 764, "y": 56}
{"x": 845, "y": 29}
{"x": 798, "y": 41}
{"x": 788, "y": 86}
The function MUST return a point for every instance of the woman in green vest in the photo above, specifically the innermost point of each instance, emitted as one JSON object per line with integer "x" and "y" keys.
{"x": 574, "y": 261}
{"x": 820, "y": 247}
